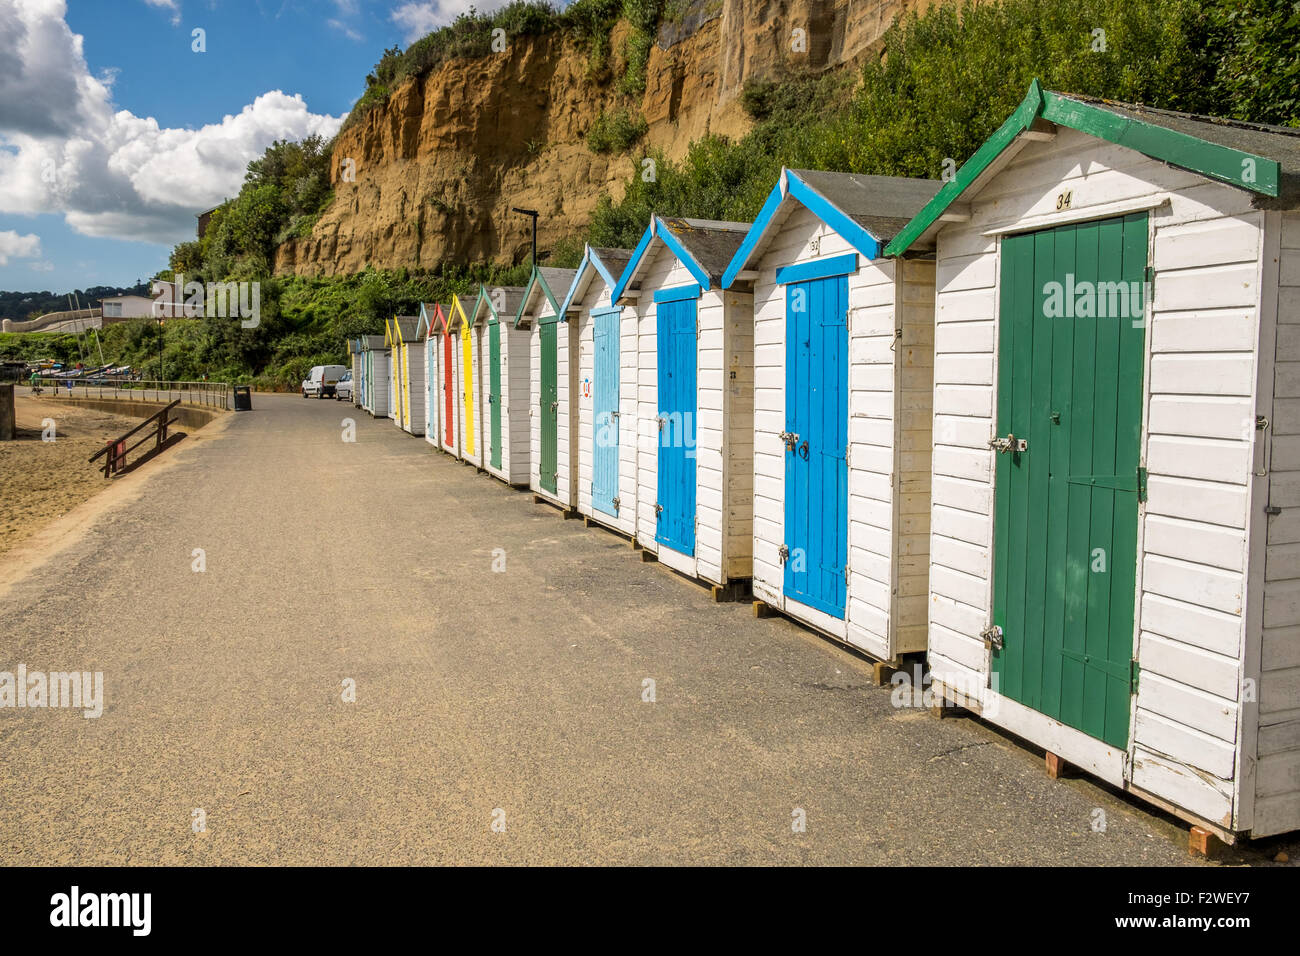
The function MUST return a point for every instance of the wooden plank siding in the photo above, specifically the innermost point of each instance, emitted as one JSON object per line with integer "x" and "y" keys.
{"x": 566, "y": 479}
{"x": 1277, "y": 754}
{"x": 415, "y": 387}
{"x": 724, "y": 471}
{"x": 1199, "y": 397}
{"x": 595, "y": 297}
{"x": 889, "y": 465}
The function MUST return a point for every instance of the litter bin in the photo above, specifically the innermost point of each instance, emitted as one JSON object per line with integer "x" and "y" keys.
{"x": 243, "y": 398}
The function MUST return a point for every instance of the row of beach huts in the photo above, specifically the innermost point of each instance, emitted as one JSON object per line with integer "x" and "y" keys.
{"x": 1040, "y": 422}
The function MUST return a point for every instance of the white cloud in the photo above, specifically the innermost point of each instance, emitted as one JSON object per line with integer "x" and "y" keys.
{"x": 171, "y": 5}
{"x": 65, "y": 149}
{"x": 42, "y": 266}
{"x": 15, "y": 246}
{"x": 418, "y": 17}
{"x": 346, "y": 30}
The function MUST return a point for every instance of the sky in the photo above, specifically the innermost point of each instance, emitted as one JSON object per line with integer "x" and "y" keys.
{"x": 119, "y": 122}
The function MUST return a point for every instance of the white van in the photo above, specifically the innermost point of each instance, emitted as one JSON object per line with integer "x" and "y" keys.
{"x": 321, "y": 380}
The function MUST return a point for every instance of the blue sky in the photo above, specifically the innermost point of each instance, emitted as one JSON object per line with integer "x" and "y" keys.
{"x": 110, "y": 144}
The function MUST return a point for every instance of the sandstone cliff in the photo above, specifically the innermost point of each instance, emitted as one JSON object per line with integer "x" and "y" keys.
{"x": 440, "y": 164}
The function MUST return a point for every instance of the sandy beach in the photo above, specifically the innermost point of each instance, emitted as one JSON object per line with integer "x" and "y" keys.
{"x": 43, "y": 480}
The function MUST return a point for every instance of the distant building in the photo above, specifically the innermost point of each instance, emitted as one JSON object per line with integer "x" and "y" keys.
{"x": 205, "y": 218}
{"x": 127, "y": 307}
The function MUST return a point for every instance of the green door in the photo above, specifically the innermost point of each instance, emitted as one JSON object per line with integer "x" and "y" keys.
{"x": 1070, "y": 366}
{"x": 550, "y": 405}
{"x": 494, "y": 389}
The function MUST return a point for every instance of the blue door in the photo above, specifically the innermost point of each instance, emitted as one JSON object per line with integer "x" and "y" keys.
{"x": 604, "y": 402}
{"x": 676, "y": 347}
{"x": 817, "y": 428}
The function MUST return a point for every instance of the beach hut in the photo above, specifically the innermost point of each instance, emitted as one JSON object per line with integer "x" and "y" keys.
{"x": 467, "y": 367}
{"x": 377, "y": 361}
{"x": 695, "y": 370}
{"x": 842, "y": 385}
{"x": 356, "y": 356}
{"x": 505, "y": 419}
{"x": 442, "y": 388}
{"x": 402, "y": 337}
{"x": 552, "y": 468}
{"x": 606, "y": 346}
{"x": 432, "y": 344}
{"x": 1114, "y": 571}
{"x": 369, "y": 344}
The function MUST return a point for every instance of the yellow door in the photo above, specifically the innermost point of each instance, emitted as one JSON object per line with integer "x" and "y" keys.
{"x": 467, "y": 356}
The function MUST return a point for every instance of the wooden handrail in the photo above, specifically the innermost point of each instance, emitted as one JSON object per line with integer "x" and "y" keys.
{"x": 116, "y": 449}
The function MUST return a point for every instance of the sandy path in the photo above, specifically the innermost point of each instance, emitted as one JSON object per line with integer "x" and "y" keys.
{"x": 43, "y": 480}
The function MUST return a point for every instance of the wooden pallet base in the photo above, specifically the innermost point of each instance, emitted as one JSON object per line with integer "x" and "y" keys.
{"x": 731, "y": 592}
{"x": 1058, "y": 768}
{"x": 648, "y": 556}
{"x": 763, "y": 609}
{"x": 1201, "y": 842}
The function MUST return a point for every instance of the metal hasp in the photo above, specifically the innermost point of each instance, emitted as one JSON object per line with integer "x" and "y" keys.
{"x": 992, "y": 636}
{"x": 791, "y": 439}
{"x": 1010, "y": 443}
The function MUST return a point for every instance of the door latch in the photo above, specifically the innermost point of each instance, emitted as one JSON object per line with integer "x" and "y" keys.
{"x": 659, "y": 509}
{"x": 1010, "y": 443}
{"x": 554, "y": 405}
{"x": 662, "y": 421}
{"x": 992, "y": 636}
{"x": 783, "y": 553}
{"x": 615, "y": 504}
{"x": 791, "y": 439}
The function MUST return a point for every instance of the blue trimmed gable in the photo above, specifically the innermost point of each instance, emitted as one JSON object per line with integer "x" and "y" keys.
{"x": 790, "y": 188}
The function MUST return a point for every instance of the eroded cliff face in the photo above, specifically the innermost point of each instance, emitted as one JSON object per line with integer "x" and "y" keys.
{"x": 438, "y": 167}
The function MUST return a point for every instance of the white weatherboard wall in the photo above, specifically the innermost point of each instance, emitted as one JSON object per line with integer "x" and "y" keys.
{"x": 566, "y": 385}
{"x": 889, "y": 440}
{"x": 514, "y": 404}
{"x": 724, "y": 469}
{"x": 1192, "y": 727}
{"x": 432, "y": 390}
{"x": 1277, "y": 748}
{"x": 448, "y": 431}
{"x": 381, "y": 383}
{"x": 415, "y": 418}
{"x": 597, "y": 297}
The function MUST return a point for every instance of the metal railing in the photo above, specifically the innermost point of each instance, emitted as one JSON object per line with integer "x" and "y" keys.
{"x": 208, "y": 394}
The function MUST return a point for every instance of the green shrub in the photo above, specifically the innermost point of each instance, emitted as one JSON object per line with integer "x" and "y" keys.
{"x": 616, "y": 131}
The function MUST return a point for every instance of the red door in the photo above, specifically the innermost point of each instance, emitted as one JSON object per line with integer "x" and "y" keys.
{"x": 448, "y": 426}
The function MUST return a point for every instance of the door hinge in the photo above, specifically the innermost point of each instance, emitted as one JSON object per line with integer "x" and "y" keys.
{"x": 783, "y": 553}
{"x": 1133, "y": 672}
{"x": 1142, "y": 484}
{"x": 992, "y": 636}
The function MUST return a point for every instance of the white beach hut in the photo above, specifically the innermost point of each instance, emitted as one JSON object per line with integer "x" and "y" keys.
{"x": 468, "y": 400}
{"x": 552, "y": 468}
{"x": 605, "y": 339}
{"x": 1114, "y": 573}
{"x": 695, "y": 370}
{"x": 505, "y": 361}
{"x": 842, "y": 386}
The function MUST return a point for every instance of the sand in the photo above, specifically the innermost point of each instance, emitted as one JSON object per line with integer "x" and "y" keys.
{"x": 43, "y": 480}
